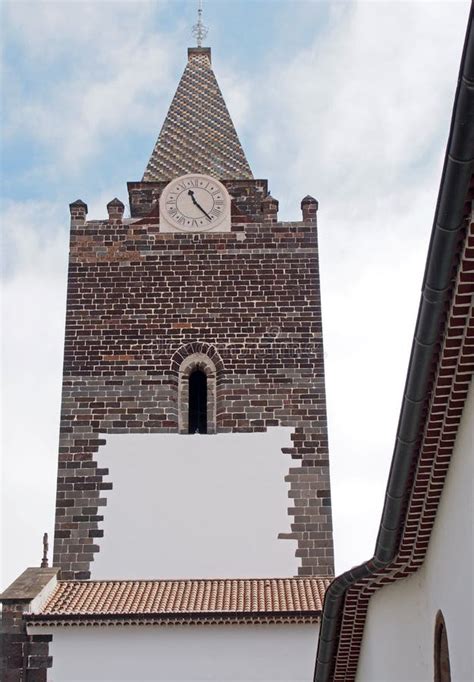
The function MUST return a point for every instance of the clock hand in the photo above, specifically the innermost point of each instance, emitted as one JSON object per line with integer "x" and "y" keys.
{"x": 191, "y": 194}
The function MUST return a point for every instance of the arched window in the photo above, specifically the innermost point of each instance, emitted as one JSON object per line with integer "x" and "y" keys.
{"x": 197, "y": 394}
{"x": 197, "y": 419}
{"x": 442, "y": 669}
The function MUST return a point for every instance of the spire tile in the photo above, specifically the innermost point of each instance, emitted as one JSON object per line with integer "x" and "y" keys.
{"x": 198, "y": 135}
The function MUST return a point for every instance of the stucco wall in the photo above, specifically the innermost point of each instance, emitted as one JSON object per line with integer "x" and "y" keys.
{"x": 196, "y": 506}
{"x": 267, "y": 653}
{"x": 399, "y": 633}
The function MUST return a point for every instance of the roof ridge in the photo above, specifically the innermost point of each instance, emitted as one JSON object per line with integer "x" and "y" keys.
{"x": 181, "y": 580}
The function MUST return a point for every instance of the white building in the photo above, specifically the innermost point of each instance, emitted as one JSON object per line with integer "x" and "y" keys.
{"x": 407, "y": 613}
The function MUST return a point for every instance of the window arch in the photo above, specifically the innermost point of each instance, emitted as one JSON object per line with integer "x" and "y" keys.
{"x": 442, "y": 668}
{"x": 197, "y": 388}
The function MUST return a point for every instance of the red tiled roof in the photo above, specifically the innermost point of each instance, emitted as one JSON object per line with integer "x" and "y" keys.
{"x": 179, "y": 601}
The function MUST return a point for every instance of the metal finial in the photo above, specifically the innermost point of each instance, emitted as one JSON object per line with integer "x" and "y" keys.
{"x": 200, "y": 30}
{"x": 44, "y": 561}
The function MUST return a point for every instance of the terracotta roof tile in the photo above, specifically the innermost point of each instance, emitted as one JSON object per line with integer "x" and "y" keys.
{"x": 174, "y": 601}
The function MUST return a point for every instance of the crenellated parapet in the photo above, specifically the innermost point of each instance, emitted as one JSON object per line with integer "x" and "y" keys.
{"x": 78, "y": 210}
{"x": 270, "y": 209}
{"x": 309, "y": 208}
{"x": 144, "y": 198}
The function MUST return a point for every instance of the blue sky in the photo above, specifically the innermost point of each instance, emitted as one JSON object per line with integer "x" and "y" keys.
{"x": 347, "y": 101}
{"x": 45, "y": 68}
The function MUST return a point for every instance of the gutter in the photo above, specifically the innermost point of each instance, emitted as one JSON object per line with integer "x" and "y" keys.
{"x": 172, "y": 618}
{"x": 446, "y": 235}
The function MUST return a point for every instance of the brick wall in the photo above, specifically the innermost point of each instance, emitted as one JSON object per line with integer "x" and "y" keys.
{"x": 23, "y": 657}
{"x": 135, "y": 298}
{"x": 247, "y": 196}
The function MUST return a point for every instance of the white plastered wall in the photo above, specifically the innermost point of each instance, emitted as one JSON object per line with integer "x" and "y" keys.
{"x": 241, "y": 653}
{"x": 189, "y": 506}
{"x": 398, "y": 640}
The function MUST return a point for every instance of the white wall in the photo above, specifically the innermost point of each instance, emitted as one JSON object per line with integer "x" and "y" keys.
{"x": 196, "y": 506}
{"x": 267, "y": 653}
{"x": 399, "y": 634}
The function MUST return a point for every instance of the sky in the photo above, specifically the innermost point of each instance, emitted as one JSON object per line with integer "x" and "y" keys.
{"x": 347, "y": 101}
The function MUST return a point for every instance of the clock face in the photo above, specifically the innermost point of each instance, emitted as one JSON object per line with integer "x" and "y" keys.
{"x": 194, "y": 203}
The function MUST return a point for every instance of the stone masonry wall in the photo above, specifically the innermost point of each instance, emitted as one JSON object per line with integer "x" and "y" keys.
{"x": 135, "y": 298}
{"x": 24, "y": 658}
{"x": 247, "y": 196}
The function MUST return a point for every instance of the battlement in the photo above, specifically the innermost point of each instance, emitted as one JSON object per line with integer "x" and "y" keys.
{"x": 146, "y": 211}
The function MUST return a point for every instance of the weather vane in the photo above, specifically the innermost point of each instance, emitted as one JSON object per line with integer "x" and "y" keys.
{"x": 199, "y": 29}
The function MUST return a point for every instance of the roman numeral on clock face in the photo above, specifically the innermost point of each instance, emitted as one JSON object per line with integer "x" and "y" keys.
{"x": 195, "y": 202}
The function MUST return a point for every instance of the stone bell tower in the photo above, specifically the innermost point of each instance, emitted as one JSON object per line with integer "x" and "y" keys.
{"x": 194, "y": 340}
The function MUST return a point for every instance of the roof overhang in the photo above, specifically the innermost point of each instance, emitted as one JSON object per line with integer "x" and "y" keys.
{"x": 182, "y": 602}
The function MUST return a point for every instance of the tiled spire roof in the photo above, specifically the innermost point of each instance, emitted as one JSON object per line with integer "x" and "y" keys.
{"x": 198, "y": 135}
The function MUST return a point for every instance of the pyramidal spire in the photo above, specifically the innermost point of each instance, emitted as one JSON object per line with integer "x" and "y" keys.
{"x": 198, "y": 135}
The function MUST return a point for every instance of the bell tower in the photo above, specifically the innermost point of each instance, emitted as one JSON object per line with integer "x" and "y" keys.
{"x": 194, "y": 369}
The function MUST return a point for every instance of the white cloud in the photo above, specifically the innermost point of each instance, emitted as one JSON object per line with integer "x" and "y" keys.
{"x": 33, "y": 304}
{"x": 365, "y": 102}
{"x": 33, "y": 234}
{"x": 116, "y": 67}
{"x": 49, "y": 30}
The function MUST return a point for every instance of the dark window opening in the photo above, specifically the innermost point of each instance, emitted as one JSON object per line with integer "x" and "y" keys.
{"x": 197, "y": 402}
{"x": 442, "y": 669}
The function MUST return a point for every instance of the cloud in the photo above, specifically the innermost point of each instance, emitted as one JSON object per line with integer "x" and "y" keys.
{"x": 35, "y": 242}
{"x": 368, "y": 98}
{"x": 96, "y": 79}
{"x": 33, "y": 234}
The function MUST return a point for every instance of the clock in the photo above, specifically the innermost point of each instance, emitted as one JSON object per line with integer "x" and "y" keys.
{"x": 195, "y": 203}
